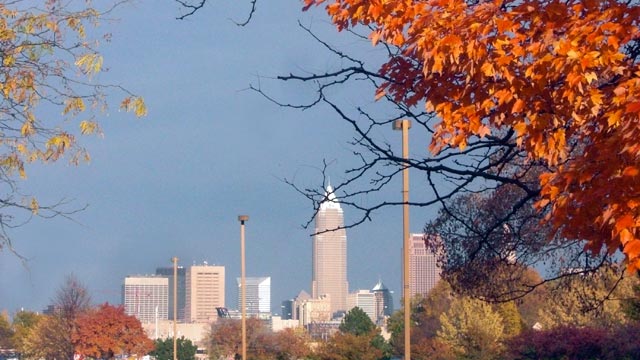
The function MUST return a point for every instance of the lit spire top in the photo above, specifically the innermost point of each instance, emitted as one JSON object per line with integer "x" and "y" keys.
{"x": 331, "y": 202}
{"x": 379, "y": 286}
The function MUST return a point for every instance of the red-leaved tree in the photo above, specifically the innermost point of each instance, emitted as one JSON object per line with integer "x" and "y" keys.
{"x": 107, "y": 331}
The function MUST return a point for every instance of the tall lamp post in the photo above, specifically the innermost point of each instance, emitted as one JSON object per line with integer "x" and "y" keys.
{"x": 243, "y": 293}
{"x": 404, "y": 126}
{"x": 175, "y": 307}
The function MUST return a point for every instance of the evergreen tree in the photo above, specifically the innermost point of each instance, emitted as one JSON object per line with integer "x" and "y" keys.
{"x": 357, "y": 322}
{"x": 164, "y": 349}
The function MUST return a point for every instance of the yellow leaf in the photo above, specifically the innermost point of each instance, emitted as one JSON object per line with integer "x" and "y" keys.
{"x": 34, "y": 206}
{"x": 89, "y": 63}
{"x": 590, "y": 77}
{"x": 135, "y": 104}
{"x": 140, "y": 109}
{"x": 27, "y": 129}
{"x": 74, "y": 105}
{"x": 88, "y": 127}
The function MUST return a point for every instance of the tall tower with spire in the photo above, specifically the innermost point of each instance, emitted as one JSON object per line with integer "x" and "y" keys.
{"x": 330, "y": 254}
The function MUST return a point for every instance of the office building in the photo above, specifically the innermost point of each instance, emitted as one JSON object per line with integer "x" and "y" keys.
{"x": 287, "y": 309}
{"x": 181, "y": 290}
{"x": 424, "y": 272}
{"x": 316, "y": 310}
{"x": 258, "y": 295}
{"x": 384, "y": 302}
{"x": 146, "y": 297}
{"x": 330, "y": 254}
{"x": 204, "y": 292}
{"x": 365, "y": 300}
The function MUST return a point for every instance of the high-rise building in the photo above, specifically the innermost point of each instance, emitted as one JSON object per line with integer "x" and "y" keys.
{"x": 384, "y": 302}
{"x": 146, "y": 297}
{"x": 287, "y": 309}
{"x": 365, "y": 300}
{"x": 204, "y": 292}
{"x": 258, "y": 295}
{"x": 424, "y": 272}
{"x": 182, "y": 289}
{"x": 330, "y": 254}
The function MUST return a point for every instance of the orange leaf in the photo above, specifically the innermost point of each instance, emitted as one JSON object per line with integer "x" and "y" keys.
{"x": 630, "y": 171}
{"x": 624, "y": 222}
{"x": 518, "y": 106}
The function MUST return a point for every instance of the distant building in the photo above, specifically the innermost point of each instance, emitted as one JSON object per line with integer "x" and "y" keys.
{"x": 204, "y": 292}
{"x": 287, "y": 309}
{"x": 196, "y": 332}
{"x": 307, "y": 310}
{"x": 182, "y": 289}
{"x": 279, "y": 324}
{"x": 365, "y": 300}
{"x": 315, "y": 310}
{"x": 424, "y": 272}
{"x": 384, "y": 302}
{"x": 297, "y": 302}
{"x": 51, "y": 310}
{"x": 258, "y": 295}
{"x": 329, "y": 268}
{"x": 322, "y": 330}
{"x": 146, "y": 297}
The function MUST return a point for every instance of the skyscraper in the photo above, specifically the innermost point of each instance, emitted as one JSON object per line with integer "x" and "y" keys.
{"x": 330, "y": 254}
{"x": 204, "y": 292}
{"x": 146, "y": 296}
{"x": 182, "y": 289}
{"x": 258, "y": 295}
{"x": 424, "y": 272}
{"x": 384, "y": 302}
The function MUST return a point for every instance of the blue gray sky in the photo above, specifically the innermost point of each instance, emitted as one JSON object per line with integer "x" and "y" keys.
{"x": 173, "y": 183}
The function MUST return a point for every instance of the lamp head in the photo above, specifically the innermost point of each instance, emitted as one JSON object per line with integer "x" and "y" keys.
{"x": 397, "y": 124}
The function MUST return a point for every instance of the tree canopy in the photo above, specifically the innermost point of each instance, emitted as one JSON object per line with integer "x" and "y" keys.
{"x": 107, "y": 331}
{"x": 357, "y": 322}
{"x": 164, "y": 349}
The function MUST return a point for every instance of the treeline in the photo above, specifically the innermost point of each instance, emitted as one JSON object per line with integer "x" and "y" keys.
{"x": 575, "y": 318}
{"x": 74, "y": 328}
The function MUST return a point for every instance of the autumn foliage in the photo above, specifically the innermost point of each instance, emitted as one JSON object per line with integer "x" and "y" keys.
{"x": 563, "y": 75}
{"x": 49, "y": 91}
{"x": 107, "y": 331}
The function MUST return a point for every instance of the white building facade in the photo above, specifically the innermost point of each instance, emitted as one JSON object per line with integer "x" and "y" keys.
{"x": 146, "y": 297}
{"x": 258, "y": 295}
{"x": 424, "y": 272}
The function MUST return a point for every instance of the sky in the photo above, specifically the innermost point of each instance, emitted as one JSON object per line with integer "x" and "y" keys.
{"x": 174, "y": 182}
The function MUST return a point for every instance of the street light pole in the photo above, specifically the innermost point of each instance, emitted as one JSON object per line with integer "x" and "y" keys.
{"x": 243, "y": 292}
{"x": 404, "y": 126}
{"x": 175, "y": 307}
